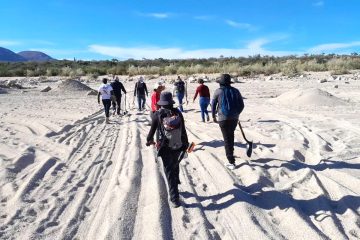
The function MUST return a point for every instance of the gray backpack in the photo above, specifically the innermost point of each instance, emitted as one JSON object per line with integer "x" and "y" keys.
{"x": 171, "y": 128}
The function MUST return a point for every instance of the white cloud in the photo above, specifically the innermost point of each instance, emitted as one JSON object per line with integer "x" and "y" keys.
{"x": 157, "y": 15}
{"x": 332, "y": 47}
{"x": 204, "y": 17}
{"x": 8, "y": 43}
{"x": 319, "y": 3}
{"x": 252, "y": 48}
{"x": 246, "y": 26}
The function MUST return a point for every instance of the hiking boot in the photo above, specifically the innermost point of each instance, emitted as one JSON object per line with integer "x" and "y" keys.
{"x": 107, "y": 121}
{"x": 176, "y": 203}
{"x": 208, "y": 118}
{"x": 230, "y": 166}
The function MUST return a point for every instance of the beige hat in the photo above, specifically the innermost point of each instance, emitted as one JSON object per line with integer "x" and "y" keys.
{"x": 156, "y": 86}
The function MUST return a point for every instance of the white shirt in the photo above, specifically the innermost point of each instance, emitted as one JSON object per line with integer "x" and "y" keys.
{"x": 105, "y": 91}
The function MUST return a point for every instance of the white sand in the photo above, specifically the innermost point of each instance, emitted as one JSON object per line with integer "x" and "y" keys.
{"x": 64, "y": 174}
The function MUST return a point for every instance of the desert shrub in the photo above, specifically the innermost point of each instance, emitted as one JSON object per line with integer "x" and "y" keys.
{"x": 291, "y": 67}
{"x": 92, "y": 76}
{"x": 313, "y": 66}
{"x": 66, "y": 71}
{"x": 244, "y": 71}
{"x": 354, "y": 63}
{"x": 184, "y": 70}
{"x": 231, "y": 68}
{"x": 338, "y": 66}
{"x": 30, "y": 73}
{"x": 132, "y": 70}
{"x": 170, "y": 69}
{"x": 52, "y": 72}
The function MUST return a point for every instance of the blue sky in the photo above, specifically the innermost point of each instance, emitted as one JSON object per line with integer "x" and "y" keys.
{"x": 138, "y": 29}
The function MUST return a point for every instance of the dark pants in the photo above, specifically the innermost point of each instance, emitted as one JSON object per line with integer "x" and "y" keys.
{"x": 141, "y": 101}
{"x": 227, "y": 129}
{"x": 117, "y": 104}
{"x": 107, "y": 105}
{"x": 171, "y": 169}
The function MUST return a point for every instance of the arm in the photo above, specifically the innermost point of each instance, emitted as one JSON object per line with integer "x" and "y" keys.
{"x": 196, "y": 93}
{"x": 241, "y": 102}
{"x": 135, "y": 89}
{"x": 122, "y": 88}
{"x": 147, "y": 94}
{"x": 214, "y": 104}
{"x": 154, "y": 126}
{"x": 184, "y": 137}
{"x": 98, "y": 97}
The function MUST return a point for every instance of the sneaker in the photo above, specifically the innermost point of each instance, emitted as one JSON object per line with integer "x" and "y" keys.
{"x": 175, "y": 204}
{"x": 230, "y": 166}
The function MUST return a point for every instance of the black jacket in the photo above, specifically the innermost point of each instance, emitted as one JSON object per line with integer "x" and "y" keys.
{"x": 117, "y": 88}
{"x": 140, "y": 89}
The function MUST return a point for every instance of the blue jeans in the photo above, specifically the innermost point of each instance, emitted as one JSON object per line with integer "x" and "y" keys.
{"x": 204, "y": 103}
{"x": 141, "y": 101}
{"x": 180, "y": 97}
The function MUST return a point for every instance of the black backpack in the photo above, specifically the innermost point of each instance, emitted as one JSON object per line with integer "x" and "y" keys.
{"x": 170, "y": 126}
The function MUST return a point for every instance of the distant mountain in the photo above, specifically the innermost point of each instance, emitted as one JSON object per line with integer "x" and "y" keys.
{"x": 9, "y": 56}
{"x": 35, "y": 56}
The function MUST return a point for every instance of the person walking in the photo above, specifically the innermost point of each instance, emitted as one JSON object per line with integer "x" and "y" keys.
{"x": 106, "y": 91}
{"x": 180, "y": 91}
{"x": 118, "y": 87}
{"x": 204, "y": 101}
{"x": 140, "y": 91}
{"x": 155, "y": 97}
{"x": 228, "y": 103}
{"x": 172, "y": 142}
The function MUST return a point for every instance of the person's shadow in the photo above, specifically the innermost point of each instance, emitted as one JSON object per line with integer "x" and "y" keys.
{"x": 269, "y": 200}
{"x": 219, "y": 143}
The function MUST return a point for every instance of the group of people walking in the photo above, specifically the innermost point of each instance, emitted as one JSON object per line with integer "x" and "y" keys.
{"x": 168, "y": 125}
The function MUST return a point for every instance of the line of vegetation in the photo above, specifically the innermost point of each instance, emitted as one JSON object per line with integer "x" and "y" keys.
{"x": 242, "y": 66}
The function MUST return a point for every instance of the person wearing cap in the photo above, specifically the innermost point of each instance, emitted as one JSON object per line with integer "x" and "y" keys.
{"x": 204, "y": 101}
{"x": 155, "y": 97}
{"x": 170, "y": 156}
{"x": 227, "y": 120}
{"x": 118, "y": 87}
{"x": 140, "y": 91}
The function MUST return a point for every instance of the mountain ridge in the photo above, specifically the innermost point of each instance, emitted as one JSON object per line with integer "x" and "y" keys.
{"x": 6, "y": 55}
